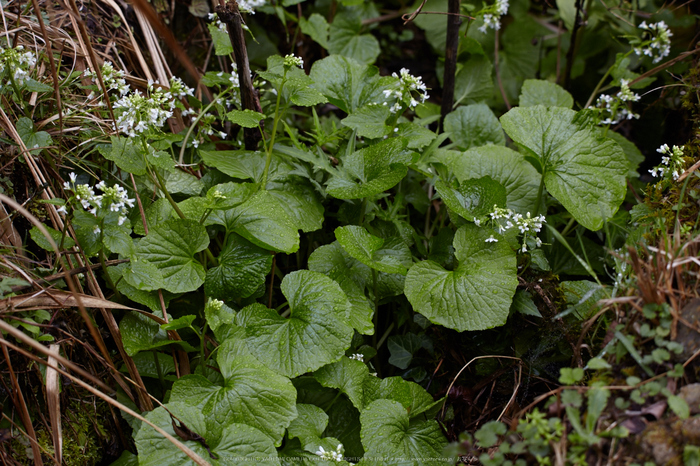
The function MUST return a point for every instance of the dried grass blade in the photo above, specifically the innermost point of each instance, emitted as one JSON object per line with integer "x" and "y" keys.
{"x": 59, "y": 300}
{"x": 53, "y": 391}
{"x": 182, "y": 447}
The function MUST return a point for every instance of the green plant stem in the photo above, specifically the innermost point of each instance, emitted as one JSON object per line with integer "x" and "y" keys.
{"x": 568, "y": 226}
{"x": 161, "y": 185}
{"x": 103, "y": 263}
{"x": 276, "y": 121}
{"x": 194, "y": 125}
{"x": 540, "y": 191}
{"x": 385, "y": 336}
{"x": 376, "y": 307}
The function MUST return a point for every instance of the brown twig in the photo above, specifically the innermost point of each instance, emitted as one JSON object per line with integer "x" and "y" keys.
{"x": 451, "y": 49}
{"x": 230, "y": 15}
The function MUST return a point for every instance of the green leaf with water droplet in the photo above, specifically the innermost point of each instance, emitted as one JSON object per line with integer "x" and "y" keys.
{"x": 477, "y": 294}
{"x": 473, "y": 198}
{"x": 315, "y": 333}
{"x": 242, "y": 269}
{"x": 372, "y": 170}
{"x": 389, "y": 255}
{"x": 388, "y": 432}
{"x": 171, "y": 247}
{"x": 252, "y": 394}
{"x": 582, "y": 170}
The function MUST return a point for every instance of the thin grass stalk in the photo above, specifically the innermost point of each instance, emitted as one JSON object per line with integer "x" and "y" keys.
{"x": 16, "y": 333}
{"x": 21, "y": 406}
{"x": 53, "y": 397}
{"x": 52, "y": 63}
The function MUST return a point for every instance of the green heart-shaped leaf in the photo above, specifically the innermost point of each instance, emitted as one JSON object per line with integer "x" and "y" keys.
{"x": 371, "y": 170}
{"x": 386, "y": 255}
{"x": 315, "y": 333}
{"x": 387, "y": 432}
{"x": 477, "y": 294}
{"x": 473, "y": 199}
{"x": 171, "y": 247}
{"x": 583, "y": 170}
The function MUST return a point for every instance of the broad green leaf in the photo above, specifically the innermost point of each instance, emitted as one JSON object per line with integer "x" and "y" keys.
{"x": 582, "y": 296}
{"x": 232, "y": 444}
{"x": 433, "y": 25}
{"x": 252, "y": 393}
{"x": 179, "y": 323}
{"x": 412, "y": 396}
{"x": 373, "y": 170}
{"x": 139, "y": 333}
{"x": 347, "y": 83}
{"x": 346, "y": 39}
{"x": 473, "y": 81}
{"x": 567, "y": 12}
{"x": 245, "y": 118}
{"x": 352, "y": 276}
{"x": 388, "y": 432}
{"x": 348, "y": 376}
{"x": 315, "y": 333}
{"x": 402, "y": 348}
{"x": 146, "y": 364}
{"x": 241, "y": 164}
{"x": 220, "y": 320}
{"x": 147, "y": 298}
{"x": 634, "y": 156}
{"x": 583, "y": 170}
{"x": 32, "y": 139}
{"x": 32, "y": 85}
{"x": 523, "y": 303}
{"x": 125, "y": 154}
{"x": 344, "y": 424}
{"x": 221, "y": 39}
{"x": 143, "y": 275}
{"x": 316, "y": 27}
{"x": 473, "y": 126}
{"x": 85, "y": 225}
{"x": 171, "y": 247}
{"x": 477, "y": 294}
{"x": 416, "y": 135}
{"x": 157, "y": 213}
{"x": 520, "y": 56}
{"x": 369, "y": 121}
{"x": 473, "y": 199}
{"x": 299, "y": 93}
{"x": 311, "y": 422}
{"x": 679, "y": 406}
{"x": 56, "y": 235}
{"x": 263, "y": 220}
{"x": 117, "y": 238}
{"x": 302, "y": 202}
{"x": 242, "y": 269}
{"x": 387, "y": 255}
{"x": 540, "y": 92}
{"x": 179, "y": 181}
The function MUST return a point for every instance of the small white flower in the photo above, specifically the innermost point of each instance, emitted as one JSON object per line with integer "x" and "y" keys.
{"x": 96, "y": 230}
{"x": 62, "y": 210}
{"x": 491, "y": 239}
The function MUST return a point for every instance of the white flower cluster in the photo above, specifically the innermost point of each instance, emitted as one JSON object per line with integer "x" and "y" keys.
{"x": 16, "y": 62}
{"x": 357, "y": 357}
{"x": 249, "y": 6}
{"x": 138, "y": 113}
{"x": 407, "y": 85}
{"x": 219, "y": 24}
{"x": 336, "y": 455}
{"x": 492, "y": 15}
{"x": 671, "y": 162}
{"x": 113, "y": 198}
{"x": 506, "y": 219}
{"x": 215, "y": 304}
{"x": 290, "y": 61}
{"x": 656, "y": 41}
{"x": 613, "y": 109}
{"x": 113, "y": 78}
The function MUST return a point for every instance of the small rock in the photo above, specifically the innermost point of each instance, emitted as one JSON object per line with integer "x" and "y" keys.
{"x": 691, "y": 395}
